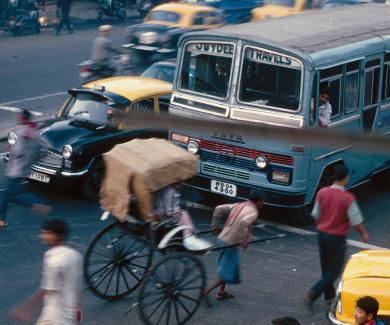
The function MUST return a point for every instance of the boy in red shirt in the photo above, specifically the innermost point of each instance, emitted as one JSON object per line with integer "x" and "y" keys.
{"x": 335, "y": 209}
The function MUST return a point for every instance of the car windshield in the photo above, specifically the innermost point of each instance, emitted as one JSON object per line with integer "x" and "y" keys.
{"x": 286, "y": 3}
{"x": 206, "y": 68}
{"x": 89, "y": 107}
{"x": 270, "y": 79}
{"x": 160, "y": 71}
{"x": 160, "y": 15}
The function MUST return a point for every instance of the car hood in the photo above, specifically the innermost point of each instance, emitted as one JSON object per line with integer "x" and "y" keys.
{"x": 365, "y": 264}
{"x": 57, "y": 133}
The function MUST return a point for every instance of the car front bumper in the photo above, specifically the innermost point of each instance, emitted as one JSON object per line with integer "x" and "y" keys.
{"x": 334, "y": 320}
{"x": 59, "y": 173}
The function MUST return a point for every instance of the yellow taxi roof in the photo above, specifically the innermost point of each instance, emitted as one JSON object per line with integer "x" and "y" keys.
{"x": 133, "y": 88}
{"x": 182, "y": 8}
{"x": 369, "y": 263}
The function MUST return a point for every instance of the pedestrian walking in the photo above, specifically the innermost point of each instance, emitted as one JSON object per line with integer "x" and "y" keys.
{"x": 63, "y": 6}
{"x": 335, "y": 209}
{"x": 366, "y": 311}
{"x": 61, "y": 281}
{"x": 22, "y": 154}
{"x": 237, "y": 230}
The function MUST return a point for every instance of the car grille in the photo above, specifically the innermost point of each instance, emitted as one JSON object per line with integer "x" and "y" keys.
{"x": 48, "y": 158}
{"x": 217, "y": 170}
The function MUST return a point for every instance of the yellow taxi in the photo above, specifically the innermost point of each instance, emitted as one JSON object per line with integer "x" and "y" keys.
{"x": 367, "y": 273}
{"x": 280, "y": 8}
{"x": 165, "y": 23}
{"x": 85, "y": 128}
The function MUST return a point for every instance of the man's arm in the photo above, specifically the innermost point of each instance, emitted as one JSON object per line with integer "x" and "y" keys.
{"x": 220, "y": 212}
{"x": 315, "y": 213}
{"x": 26, "y": 310}
{"x": 355, "y": 218}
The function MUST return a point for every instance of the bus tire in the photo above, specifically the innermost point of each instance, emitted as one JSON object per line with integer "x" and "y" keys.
{"x": 382, "y": 180}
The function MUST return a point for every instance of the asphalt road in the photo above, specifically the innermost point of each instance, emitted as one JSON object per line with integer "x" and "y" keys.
{"x": 275, "y": 274}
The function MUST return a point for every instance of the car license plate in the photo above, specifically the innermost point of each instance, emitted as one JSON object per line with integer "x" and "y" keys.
{"x": 39, "y": 177}
{"x": 223, "y": 188}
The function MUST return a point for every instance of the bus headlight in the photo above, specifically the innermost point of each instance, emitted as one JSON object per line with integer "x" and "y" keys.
{"x": 281, "y": 176}
{"x": 193, "y": 147}
{"x": 12, "y": 137}
{"x": 67, "y": 151}
{"x": 261, "y": 162}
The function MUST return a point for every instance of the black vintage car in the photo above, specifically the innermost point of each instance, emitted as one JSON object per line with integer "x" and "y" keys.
{"x": 72, "y": 144}
{"x": 163, "y": 26}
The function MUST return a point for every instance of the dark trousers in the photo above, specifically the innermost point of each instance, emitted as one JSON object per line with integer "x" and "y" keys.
{"x": 15, "y": 191}
{"x": 332, "y": 256}
{"x": 64, "y": 20}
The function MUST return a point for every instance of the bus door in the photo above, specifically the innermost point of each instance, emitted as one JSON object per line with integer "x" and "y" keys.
{"x": 382, "y": 125}
{"x": 344, "y": 84}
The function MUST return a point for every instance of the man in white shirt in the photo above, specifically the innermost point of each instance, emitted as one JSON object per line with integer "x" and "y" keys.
{"x": 61, "y": 281}
{"x": 324, "y": 108}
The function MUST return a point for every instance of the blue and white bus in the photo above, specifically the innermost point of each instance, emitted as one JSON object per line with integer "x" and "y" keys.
{"x": 271, "y": 73}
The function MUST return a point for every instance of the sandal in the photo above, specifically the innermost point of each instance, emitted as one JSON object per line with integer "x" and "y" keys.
{"x": 223, "y": 296}
{"x": 3, "y": 224}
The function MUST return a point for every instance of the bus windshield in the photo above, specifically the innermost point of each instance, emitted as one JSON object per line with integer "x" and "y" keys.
{"x": 270, "y": 79}
{"x": 206, "y": 68}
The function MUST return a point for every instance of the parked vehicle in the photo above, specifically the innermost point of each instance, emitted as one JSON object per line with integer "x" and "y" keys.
{"x": 163, "y": 70}
{"x": 234, "y": 12}
{"x": 274, "y": 79}
{"x": 112, "y": 8}
{"x": 85, "y": 128}
{"x": 367, "y": 273}
{"x": 90, "y": 71}
{"x": 280, "y": 8}
{"x": 22, "y": 17}
{"x": 163, "y": 26}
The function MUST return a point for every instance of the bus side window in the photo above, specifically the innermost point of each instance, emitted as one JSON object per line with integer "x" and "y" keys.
{"x": 332, "y": 78}
{"x": 386, "y": 78}
{"x": 351, "y": 90}
{"x": 371, "y": 87}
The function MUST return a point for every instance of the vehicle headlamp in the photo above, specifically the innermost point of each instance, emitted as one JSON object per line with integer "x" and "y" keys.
{"x": 67, "y": 151}
{"x": 12, "y": 137}
{"x": 164, "y": 38}
{"x": 193, "y": 147}
{"x": 261, "y": 162}
{"x": 281, "y": 176}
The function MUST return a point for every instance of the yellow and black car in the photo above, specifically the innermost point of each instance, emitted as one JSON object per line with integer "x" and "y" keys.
{"x": 73, "y": 142}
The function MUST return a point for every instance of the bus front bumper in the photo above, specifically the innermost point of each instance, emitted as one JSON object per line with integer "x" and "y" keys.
{"x": 272, "y": 197}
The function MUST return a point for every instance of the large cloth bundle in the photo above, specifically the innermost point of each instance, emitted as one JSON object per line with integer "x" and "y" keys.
{"x": 143, "y": 167}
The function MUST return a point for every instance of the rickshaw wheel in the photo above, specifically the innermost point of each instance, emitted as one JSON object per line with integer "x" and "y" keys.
{"x": 116, "y": 261}
{"x": 173, "y": 290}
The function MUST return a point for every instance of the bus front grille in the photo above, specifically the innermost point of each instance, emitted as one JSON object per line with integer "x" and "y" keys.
{"x": 222, "y": 171}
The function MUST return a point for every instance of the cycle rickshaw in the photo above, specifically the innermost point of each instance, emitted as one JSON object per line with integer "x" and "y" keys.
{"x": 119, "y": 260}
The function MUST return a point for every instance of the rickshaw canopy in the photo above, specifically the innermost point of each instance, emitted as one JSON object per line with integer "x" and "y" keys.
{"x": 141, "y": 167}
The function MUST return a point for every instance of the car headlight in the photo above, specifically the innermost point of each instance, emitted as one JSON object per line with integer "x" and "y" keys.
{"x": 193, "y": 147}
{"x": 67, "y": 151}
{"x": 12, "y": 137}
{"x": 281, "y": 176}
{"x": 339, "y": 307}
{"x": 261, "y": 162}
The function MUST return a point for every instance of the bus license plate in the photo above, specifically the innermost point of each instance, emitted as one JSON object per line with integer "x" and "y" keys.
{"x": 223, "y": 188}
{"x": 39, "y": 177}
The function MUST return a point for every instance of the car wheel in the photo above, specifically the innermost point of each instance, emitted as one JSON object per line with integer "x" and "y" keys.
{"x": 92, "y": 182}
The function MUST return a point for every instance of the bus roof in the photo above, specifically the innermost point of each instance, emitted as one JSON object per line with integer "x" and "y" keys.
{"x": 317, "y": 31}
